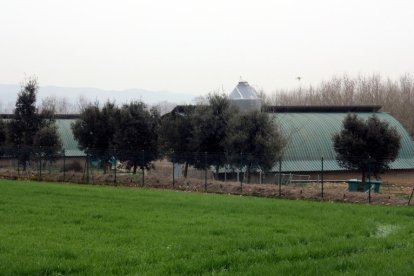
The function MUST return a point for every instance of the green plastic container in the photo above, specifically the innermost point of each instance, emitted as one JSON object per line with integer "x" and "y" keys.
{"x": 353, "y": 185}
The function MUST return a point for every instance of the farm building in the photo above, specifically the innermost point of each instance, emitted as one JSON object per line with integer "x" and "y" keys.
{"x": 63, "y": 123}
{"x": 309, "y": 131}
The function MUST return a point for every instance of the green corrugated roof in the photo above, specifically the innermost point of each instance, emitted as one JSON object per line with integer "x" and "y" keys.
{"x": 69, "y": 143}
{"x": 309, "y": 136}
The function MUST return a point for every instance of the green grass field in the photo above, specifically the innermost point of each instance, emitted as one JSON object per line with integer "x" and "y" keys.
{"x": 55, "y": 229}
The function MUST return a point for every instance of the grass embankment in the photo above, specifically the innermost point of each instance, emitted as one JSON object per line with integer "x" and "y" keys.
{"x": 51, "y": 229}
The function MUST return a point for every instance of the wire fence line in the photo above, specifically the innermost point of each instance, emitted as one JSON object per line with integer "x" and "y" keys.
{"x": 210, "y": 172}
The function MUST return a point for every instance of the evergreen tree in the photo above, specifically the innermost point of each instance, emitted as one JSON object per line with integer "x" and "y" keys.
{"x": 27, "y": 124}
{"x": 3, "y": 136}
{"x": 255, "y": 141}
{"x": 3, "y": 133}
{"x": 136, "y": 138}
{"x": 47, "y": 143}
{"x": 26, "y": 120}
{"x": 95, "y": 130}
{"x": 175, "y": 135}
{"x": 211, "y": 128}
{"x": 365, "y": 146}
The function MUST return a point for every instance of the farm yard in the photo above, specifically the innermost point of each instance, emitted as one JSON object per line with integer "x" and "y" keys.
{"x": 241, "y": 189}
{"x": 395, "y": 189}
{"x": 53, "y": 229}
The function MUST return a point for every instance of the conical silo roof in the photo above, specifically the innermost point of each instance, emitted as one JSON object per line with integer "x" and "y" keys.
{"x": 243, "y": 91}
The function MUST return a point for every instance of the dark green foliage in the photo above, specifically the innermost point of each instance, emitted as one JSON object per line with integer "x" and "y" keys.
{"x": 366, "y": 145}
{"x": 255, "y": 141}
{"x": 211, "y": 129}
{"x": 216, "y": 134}
{"x": 96, "y": 128}
{"x": 175, "y": 135}
{"x": 130, "y": 133}
{"x": 73, "y": 166}
{"x": 47, "y": 143}
{"x": 26, "y": 121}
{"x": 136, "y": 139}
{"x": 3, "y": 132}
{"x": 31, "y": 131}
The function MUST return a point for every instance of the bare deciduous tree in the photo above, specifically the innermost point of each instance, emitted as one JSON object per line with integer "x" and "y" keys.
{"x": 395, "y": 96}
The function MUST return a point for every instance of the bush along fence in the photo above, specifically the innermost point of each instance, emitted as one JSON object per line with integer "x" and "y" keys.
{"x": 246, "y": 174}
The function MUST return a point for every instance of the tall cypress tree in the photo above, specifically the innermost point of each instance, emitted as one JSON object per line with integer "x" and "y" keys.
{"x": 27, "y": 123}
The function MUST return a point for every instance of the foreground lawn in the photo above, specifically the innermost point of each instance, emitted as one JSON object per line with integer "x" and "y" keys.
{"x": 52, "y": 229}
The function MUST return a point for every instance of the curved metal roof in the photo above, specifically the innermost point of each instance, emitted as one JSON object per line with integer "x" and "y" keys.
{"x": 309, "y": 136}
{"x": 68, "y": 140}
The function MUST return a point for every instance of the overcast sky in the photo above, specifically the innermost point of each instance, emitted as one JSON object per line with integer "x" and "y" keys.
{"x": 200, "y": 46}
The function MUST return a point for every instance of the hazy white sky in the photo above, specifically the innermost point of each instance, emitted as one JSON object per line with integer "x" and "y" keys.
{"x": 199, "y": 46}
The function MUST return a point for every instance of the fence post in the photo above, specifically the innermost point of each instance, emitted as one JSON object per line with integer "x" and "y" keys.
{"x": 240, "y": 174}
{"x": 322, "y": 177}
{"x": 87, "y": 168}
{"x": 205, "y": 171}
{"x": 143, "y": 164}
{"x": 40, "y": 163}
{"x": 115, "y": 163}
{"x": 173, "y": 170}
{"x": 280, "y": 176}
{"x": 409, "y": 200}
{"x": 64, "y": 165}
{"x": 17, "y": 159}
{"x": 369, "y": 180}
{"x": 225, "y": 168}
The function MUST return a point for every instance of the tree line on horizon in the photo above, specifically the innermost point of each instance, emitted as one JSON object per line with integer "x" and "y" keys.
{"x": 395, "y": 96}
{"x": 138, "y": 134}
{"x": 213, "y": 134}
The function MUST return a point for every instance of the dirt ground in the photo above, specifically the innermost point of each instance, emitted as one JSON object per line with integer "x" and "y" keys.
{"x": 390, "y": 194}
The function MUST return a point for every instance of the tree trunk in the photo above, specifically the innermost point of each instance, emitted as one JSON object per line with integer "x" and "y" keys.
{"x": 134, "y": 169}
{"x": 248, "y": 172}
{"x": 185, "y": 169}
{"x": 361, "y": 186}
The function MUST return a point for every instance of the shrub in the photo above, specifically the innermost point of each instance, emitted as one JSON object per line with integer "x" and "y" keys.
{"x": 74, "y": 166}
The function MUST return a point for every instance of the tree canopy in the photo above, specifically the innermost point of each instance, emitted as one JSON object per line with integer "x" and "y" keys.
{"x": 369, "y": 145}
{"x": 129, "y": 132}
{"x": 26, "y": 120}
{"x": 95, "y": 130}
{"x": 136, "y": 139}
{"x": 211, "y": 129}
{"x": 175, "y": 136}
{"x": 222, "y": 131}
{"x": 30, "y": 128}
{"x": 255, "y": 141}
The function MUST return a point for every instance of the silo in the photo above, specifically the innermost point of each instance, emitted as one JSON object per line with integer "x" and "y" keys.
{"x": 245, "y": 97}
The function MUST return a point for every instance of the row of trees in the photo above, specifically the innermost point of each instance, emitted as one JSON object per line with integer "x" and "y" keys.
{"x": 249, "y": 139}
{"x": 123, "y": 132}
{"x": 29, "y": 128}
{"x": 395, "y": 97}
{"x": 139, "y": 135}
{"x": 183, "y": 136}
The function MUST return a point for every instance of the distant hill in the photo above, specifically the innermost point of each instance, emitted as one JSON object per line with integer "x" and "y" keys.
{"x": 8, "y": 95}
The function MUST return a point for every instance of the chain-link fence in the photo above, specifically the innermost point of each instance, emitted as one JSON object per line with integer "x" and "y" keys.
{"x": 246, "y": 174}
